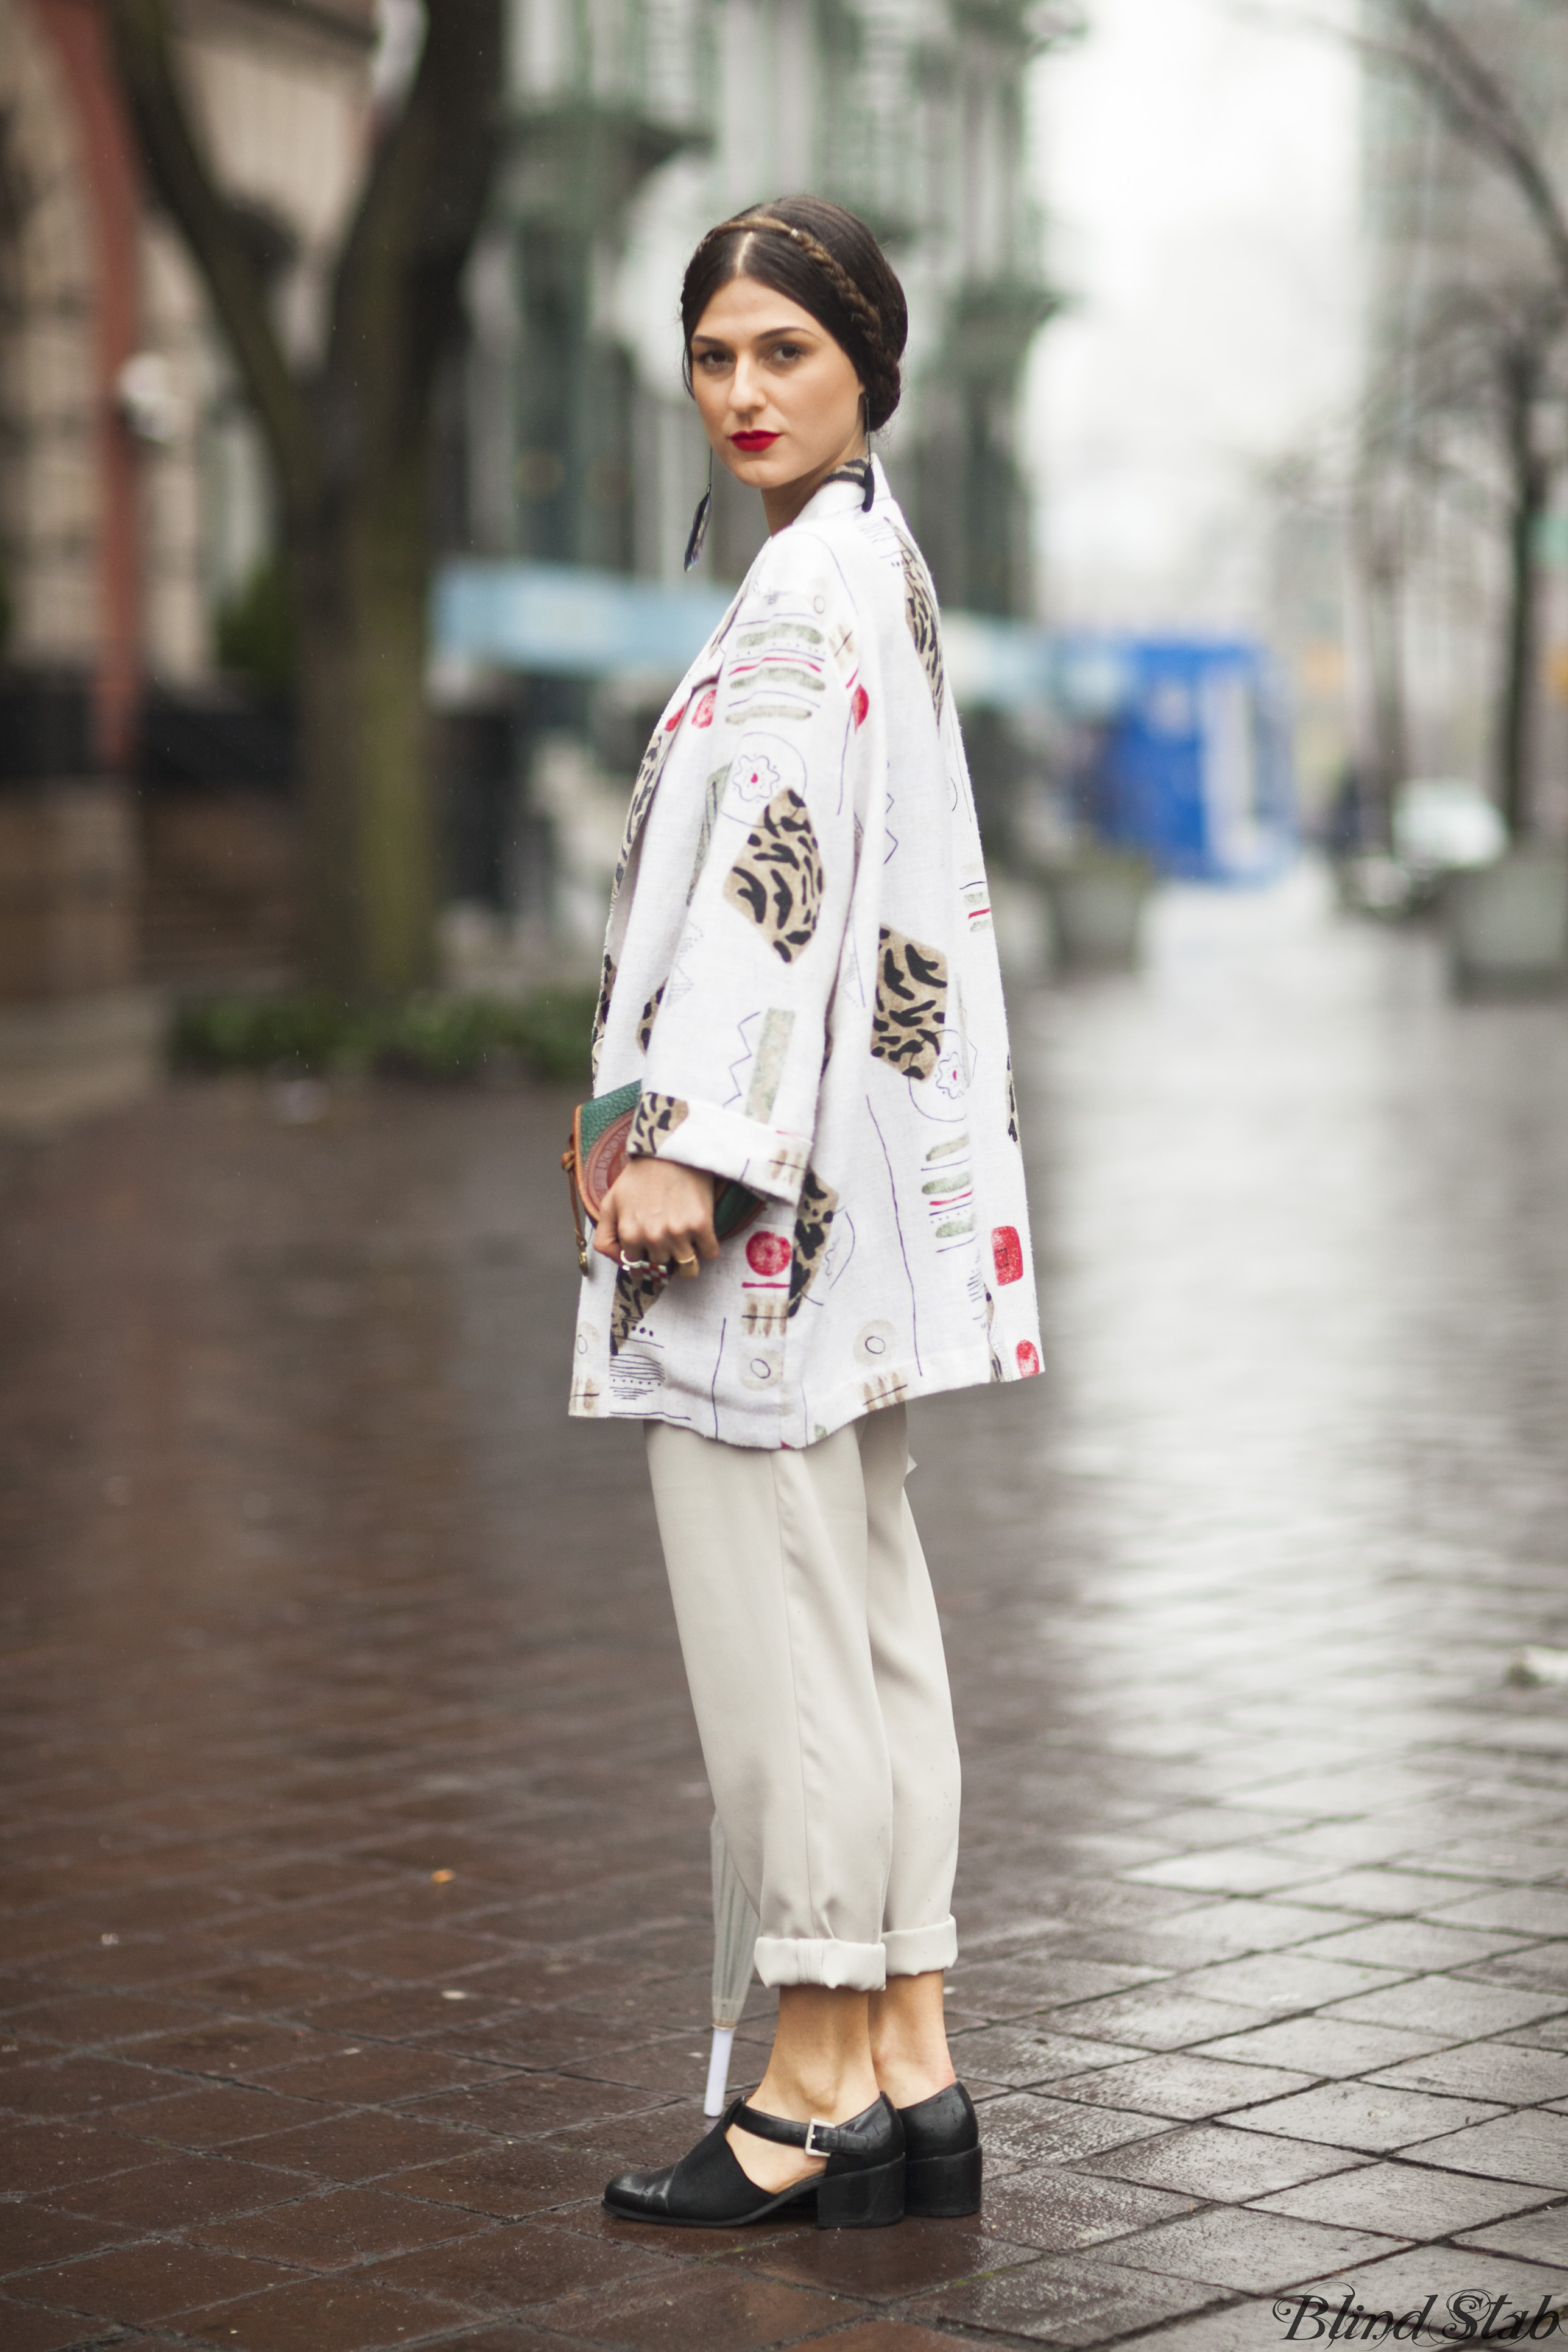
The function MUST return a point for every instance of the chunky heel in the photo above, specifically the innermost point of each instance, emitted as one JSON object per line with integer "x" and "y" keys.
{"x": 871, "y": 2199}
{"x": 941, "y": 2187}
{"x": 862, "y": 2187}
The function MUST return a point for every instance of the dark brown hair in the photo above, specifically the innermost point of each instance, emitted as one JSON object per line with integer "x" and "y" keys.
{"x": 827, "y": 260}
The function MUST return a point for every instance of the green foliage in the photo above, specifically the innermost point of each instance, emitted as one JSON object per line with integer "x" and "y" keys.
{"x": 299, "y": 1034}
{"x": 309, "y": 1034}
{"x": 254, "y": 631}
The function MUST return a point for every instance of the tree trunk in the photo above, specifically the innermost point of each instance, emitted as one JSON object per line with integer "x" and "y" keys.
{"x": 389, "y": 558}
{"x": 1391, "y": 747}
{"x": 1532, "y": 491}
{"x": 1381, "y": 574}
{"x": 361, "y": 571}
{"x": 349, "y": 441}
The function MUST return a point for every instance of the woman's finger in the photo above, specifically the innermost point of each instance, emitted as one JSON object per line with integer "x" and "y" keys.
{"x": 691, "y": 1239}
{"x": 619, "y": 1233}
{"x": 638, "y": 1245}
{"x": 658, "y": 1216}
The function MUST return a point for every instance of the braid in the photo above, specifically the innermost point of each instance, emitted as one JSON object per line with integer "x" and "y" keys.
{"x": 848, "y": 293}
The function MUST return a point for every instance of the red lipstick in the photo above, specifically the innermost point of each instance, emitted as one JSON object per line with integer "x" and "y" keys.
{"x": 751, "y": 444}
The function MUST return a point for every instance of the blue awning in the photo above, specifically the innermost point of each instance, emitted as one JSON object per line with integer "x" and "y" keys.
{"x": 562, "y": 620}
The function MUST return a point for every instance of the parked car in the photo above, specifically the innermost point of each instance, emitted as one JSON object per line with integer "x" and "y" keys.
{"x": 1440, "y": 826}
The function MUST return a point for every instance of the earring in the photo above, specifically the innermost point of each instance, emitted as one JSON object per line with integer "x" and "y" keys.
{"x": 869, "y": 496}
{"x": 694, "y": 545}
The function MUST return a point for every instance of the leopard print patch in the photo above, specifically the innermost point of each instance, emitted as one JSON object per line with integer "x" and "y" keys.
{"x": 643, "y": 791}
{"x": 776, "y": 881}
{"x": 911, "y": 1004}
{"x": 921, "y": 613}
{"x": 1012, "y": 1103}
{"x": 813, "y": 1225}
{"x": 635, "y": 1294}
{"x": 657, "y": 1116}
{"x": 602, "y": 1014}
{"x": 649, "y": 1014}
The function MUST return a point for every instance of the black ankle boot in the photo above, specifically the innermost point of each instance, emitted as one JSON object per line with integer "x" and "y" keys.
{"x": 942, "y": 2154}
{"x": 862, "y": 2187}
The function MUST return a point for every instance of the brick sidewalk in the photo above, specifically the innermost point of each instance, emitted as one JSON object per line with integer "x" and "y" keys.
{"x": 356, "y": 1919}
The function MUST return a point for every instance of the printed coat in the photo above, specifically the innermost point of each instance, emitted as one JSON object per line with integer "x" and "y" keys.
{"x": 800, "y": 970}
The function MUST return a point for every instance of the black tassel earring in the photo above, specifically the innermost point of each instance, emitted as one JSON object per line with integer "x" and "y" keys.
{"x": 698, "y": 540}
{"x": 868, "y": 497}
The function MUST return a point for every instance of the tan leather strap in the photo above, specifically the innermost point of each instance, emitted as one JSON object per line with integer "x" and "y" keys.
{"x": 569, "y": 1161}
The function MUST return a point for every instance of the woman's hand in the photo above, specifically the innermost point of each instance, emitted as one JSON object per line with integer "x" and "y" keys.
{"x": 661, "y": 1211}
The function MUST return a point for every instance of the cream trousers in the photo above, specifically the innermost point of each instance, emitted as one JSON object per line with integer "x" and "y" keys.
{"x": 817, "y": 1670}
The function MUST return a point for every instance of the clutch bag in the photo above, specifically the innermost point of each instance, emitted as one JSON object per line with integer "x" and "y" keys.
{"x": 596, "y": 1154}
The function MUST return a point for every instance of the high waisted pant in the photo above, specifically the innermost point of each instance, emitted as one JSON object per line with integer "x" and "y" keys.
{"x": 817, "y": 1670}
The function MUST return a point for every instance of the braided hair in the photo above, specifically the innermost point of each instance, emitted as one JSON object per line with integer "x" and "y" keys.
{"x": 827, "y": 260}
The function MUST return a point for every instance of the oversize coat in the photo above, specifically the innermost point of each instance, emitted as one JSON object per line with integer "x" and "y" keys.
{"x": 800, "y": 969}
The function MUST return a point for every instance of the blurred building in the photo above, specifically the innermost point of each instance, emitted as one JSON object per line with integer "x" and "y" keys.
{"x": 1308, "y": 607}
{"x": 144, "y": 829}
{"x": 1467, "y": 339}
{"x": 641, "y": 124}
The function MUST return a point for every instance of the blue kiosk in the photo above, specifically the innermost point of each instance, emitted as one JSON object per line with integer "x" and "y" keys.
{"x": 1184, "y": 750}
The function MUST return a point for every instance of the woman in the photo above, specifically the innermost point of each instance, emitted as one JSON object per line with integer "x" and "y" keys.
{"x": 800, "y": 972}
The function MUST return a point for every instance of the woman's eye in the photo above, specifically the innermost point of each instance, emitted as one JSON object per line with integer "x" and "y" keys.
{"x": 711, "y": 361}
{"x": 786, "y": 351}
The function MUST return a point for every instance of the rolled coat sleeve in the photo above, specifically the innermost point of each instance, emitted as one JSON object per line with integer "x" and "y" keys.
{"x": 742, "y": 1031}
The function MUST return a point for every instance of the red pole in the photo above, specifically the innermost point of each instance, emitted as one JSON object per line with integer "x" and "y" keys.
{"x": 76, "y": 32}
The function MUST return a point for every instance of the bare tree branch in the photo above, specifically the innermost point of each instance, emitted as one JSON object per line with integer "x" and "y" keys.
{"x": 1480, "y": 108}
{"x": 1441, "y": 64}
{"x": 188, "y": 190}
{"x": 421, "y": 205}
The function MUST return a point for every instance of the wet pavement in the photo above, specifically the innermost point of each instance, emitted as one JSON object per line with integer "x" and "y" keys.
{"x": 355, "y": 1889}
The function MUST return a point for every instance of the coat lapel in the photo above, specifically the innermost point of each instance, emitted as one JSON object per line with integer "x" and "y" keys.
{"x": 704, "y": 671}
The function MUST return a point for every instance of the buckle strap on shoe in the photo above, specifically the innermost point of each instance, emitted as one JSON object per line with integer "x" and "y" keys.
{"x": 818, "y": 2138}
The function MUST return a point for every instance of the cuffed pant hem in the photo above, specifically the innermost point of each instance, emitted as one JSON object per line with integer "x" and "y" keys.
{"x": 911, "y": 1951}
{"x": 799, "y": 1960}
